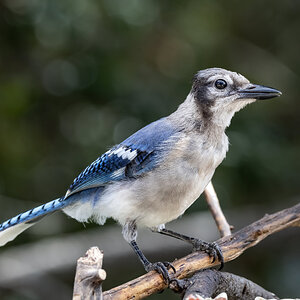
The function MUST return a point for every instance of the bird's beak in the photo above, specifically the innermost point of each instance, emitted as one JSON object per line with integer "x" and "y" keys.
{"x": 259, "y": 92}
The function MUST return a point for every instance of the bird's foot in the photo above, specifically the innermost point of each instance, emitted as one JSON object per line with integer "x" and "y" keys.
{"x": 161, "y": 268}
{"x": 212, "y": 249}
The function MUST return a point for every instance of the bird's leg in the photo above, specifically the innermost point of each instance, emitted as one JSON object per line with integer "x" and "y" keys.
{"x": 130, "y": 235}
{"x": 160, "y": 267}
{"x": 212, "y": 249}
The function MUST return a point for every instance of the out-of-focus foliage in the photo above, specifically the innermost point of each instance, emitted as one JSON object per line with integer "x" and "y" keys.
{"x": 79, "y": 76}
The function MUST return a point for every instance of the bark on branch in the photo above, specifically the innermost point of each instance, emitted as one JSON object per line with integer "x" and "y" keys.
{"x": 232, "y": 246}
{"x": 210, "y": 283}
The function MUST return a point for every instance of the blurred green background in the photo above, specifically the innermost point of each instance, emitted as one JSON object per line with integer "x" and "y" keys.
{"x": 77, "y": 76}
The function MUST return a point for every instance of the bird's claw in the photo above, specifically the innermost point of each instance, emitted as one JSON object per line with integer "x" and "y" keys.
{"x": 212, "y": 249}
{"x": 161, "y": 268}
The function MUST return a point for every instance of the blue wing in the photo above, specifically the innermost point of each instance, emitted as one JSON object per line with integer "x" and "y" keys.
{"x": 130, "y": 159}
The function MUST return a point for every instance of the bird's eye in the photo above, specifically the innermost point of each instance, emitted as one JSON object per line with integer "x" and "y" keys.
{"x": 220, "y": 84}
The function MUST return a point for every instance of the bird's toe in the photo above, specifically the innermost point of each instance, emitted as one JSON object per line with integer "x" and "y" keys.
{"x": 162, "y": 268}
{"x": 212, "y": 249}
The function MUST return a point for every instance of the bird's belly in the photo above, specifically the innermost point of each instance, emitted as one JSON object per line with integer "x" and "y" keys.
{"x": 157, "y": 198}
{"x": 174, "y": 196}
{"x": 172, "y": 201}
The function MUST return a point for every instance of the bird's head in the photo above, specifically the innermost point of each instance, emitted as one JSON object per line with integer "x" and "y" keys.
{"x": 219, "y": 93}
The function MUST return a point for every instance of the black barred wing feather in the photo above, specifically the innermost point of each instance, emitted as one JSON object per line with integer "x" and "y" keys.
{"x": 118, "y": 163}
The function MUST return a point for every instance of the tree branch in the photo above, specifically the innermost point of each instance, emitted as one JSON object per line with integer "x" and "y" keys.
{"x": 232, "y": 246}
{"x": 210, "y": 283}
{"x": 89, "y": 276}
{"x": 216, "y": 211}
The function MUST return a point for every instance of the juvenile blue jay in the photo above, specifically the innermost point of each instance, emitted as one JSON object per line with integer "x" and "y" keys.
{"x": 153, "y": 176}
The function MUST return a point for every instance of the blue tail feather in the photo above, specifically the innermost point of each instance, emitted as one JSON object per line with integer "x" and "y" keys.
{"x": 34, "y": 214}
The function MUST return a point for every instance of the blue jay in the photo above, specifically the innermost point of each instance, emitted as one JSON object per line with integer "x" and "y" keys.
{"x": 153, "y": 176}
